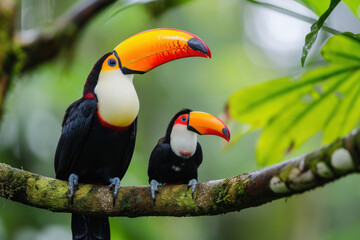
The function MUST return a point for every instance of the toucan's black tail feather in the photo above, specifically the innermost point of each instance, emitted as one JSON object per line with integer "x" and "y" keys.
{"x": 89, "y": 227}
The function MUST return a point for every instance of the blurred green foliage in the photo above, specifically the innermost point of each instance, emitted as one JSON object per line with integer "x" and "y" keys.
{"x": 291, "y": 110}
{"x": 35, "y": 106}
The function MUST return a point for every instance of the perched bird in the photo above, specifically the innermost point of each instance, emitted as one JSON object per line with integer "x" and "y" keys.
{"x": 177, "y": 156}
{"x": 99, "y": 130}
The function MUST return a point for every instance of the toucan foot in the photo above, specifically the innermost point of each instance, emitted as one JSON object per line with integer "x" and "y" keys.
{"x": 192, "y": 183}
{"x": 73, "y": 183}
{"x": 154, "y": 188}
{"x": 115, "y": 183}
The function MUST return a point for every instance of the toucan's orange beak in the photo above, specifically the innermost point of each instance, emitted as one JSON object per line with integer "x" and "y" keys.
{"x": 205, "y": 123}
{"x": 147, "y": 50}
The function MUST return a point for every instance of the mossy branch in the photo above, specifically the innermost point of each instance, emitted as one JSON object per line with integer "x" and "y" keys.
{"x": 252, "y": 189}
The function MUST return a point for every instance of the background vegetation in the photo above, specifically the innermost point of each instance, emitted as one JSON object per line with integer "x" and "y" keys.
{"x": 250, "y": 45}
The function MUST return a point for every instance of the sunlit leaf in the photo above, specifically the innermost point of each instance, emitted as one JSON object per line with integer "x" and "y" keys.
{"x": 318, "y": 7}
{"x": 257, "y": 104}
{"x": 354, "y": 6}
{"x": 344, "y": 115}
{"x": 314, "y": 30}
{"x": 299, "y": 121}
{"x": 352, "y": 35}
{"x": 292, "y": 110}
{"x": 341, "y": 50}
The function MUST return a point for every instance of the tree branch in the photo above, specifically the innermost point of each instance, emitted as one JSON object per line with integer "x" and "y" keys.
{"x": 40, "y": 46}
{"x": 213, "y": 197}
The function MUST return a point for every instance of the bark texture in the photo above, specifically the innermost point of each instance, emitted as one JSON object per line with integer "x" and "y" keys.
{"x": 246, "y": 190}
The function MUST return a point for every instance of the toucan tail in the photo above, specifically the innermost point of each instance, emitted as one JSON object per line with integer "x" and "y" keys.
{"x": 89, "y": 227}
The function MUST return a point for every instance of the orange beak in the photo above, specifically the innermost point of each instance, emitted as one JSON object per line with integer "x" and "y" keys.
{"x": 147, "y": 50}
{"x": 205, "y": 123}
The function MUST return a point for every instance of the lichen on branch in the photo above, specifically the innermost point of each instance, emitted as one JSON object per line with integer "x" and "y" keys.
{"x": 246, "y": 190}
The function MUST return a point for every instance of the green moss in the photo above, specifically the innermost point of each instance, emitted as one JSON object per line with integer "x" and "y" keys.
{"x": 124, "y": 201}
{"x": 240, "y": 186}
{"x": 185, "y": 199}
{"x": 221, "y": 194}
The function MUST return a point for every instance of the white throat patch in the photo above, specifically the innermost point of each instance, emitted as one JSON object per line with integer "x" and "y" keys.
{"x": 118, "y": 103}
{"x": 182, "y": 141}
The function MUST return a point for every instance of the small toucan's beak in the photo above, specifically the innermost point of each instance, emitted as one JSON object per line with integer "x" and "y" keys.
{"x": 205, "y": 123}
{"x": 147, "y": 50}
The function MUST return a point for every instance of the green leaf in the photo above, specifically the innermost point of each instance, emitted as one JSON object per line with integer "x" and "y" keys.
{"x": 354, "y": 6}
{"x": 341, "y": 50}
{"x": 315, "y": 28}
{"x": 344, "y": 115}
{"x": 299, "y": 121}
{"x": 352, "y": 35}
{"x": 292, "y": 110}
{"x": 317, "y": 6}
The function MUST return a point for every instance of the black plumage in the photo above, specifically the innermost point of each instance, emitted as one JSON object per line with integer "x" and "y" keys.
{"x": 167, "y": 167}
{"x": 93, "y": 151}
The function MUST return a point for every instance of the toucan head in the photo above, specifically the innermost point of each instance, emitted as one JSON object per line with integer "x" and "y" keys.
{"x": 186, "y": 125}
{"x": 147, "y": 50}
{"x": 111, "y": 79}
{"x": 203, "y": 124}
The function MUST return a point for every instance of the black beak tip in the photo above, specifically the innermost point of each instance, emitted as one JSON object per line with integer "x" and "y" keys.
{"x": 226, "y": 132}
{"x": 197, "y": 45}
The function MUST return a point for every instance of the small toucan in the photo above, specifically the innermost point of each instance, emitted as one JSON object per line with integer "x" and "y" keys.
{"x": 177, "y": 156}
{"x": 98, "y": 135}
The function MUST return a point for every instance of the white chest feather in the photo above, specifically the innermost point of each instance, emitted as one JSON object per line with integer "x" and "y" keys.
{"x": 118, "y": 103}
{"x": 182, "y": 141}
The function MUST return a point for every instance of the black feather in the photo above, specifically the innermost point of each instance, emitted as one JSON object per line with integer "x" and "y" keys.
{"x": 167, "y": 167}
{"x": 95, "y": 153}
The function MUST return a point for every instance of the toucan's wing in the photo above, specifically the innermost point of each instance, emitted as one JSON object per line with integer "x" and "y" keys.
{"x": 198, "y": 156}
{"x": 193, "y": 163}
{"x": 128, "y": 151}
{"x": 157, "y": 162}
{"x": 76, "y": 124}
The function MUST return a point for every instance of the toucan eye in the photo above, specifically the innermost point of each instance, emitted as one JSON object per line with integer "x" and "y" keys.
{"x": 183, "y": 119}
{"x": 112, "y": 62}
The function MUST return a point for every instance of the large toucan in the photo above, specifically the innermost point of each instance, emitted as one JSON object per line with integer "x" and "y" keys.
{"x": 98, "y": 136}
{"x": 177, "y": 156}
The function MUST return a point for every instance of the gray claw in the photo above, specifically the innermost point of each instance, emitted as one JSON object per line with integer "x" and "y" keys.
{"x": 192, "y": 183}
{"x": 115, "y": 183}
{"x": 73, "y": 183}
{"x": 154, "y": 188}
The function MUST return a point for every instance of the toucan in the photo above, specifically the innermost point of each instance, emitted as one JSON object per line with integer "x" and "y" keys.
{"x": 177, "y": 156}
{"x": 99, "y": 130}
